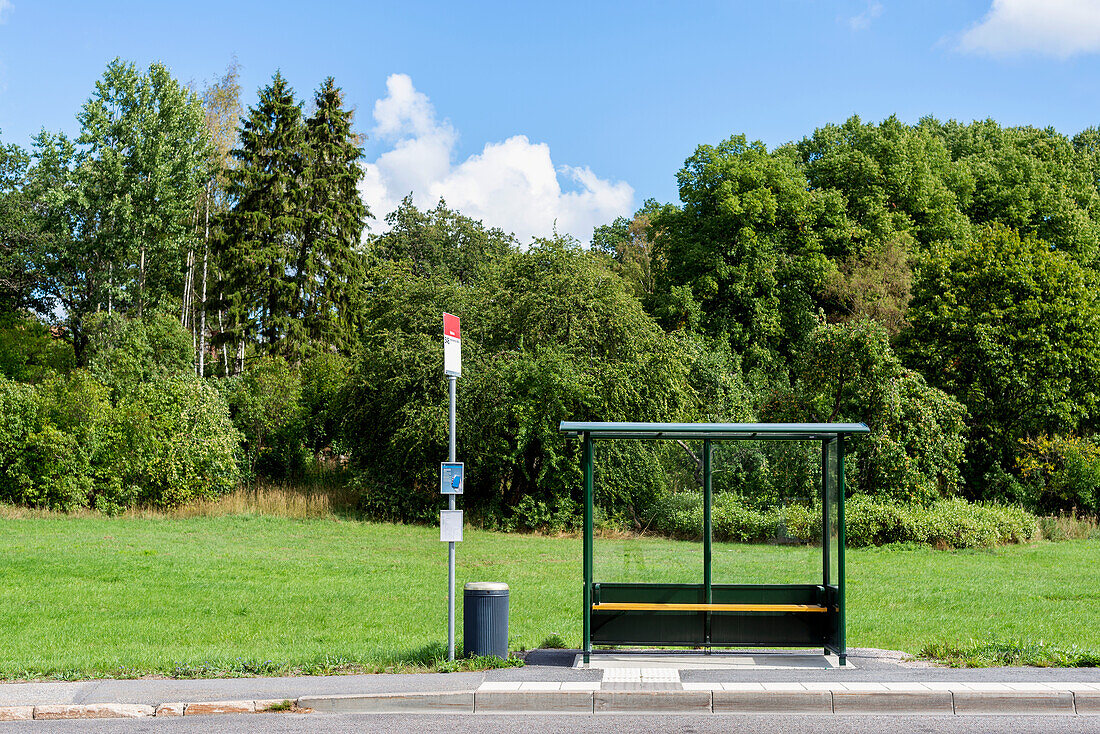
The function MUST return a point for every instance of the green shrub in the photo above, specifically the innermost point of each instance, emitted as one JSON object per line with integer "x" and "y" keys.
{"x": 323, "y": 379}
{"x": 951, "y": 523}
{"x": 171, "y": 442}
{"x": 29, "y": 352}
{"x": 124, "y": 353}
{"x": 49, "y": 436}
{"x": 266, "y": 407}
{"x": 63, "y": 445}
{"x": 1064, "y": 471}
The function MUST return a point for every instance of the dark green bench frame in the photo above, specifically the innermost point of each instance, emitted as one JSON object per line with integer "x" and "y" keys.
{"x": 720, "y": 615}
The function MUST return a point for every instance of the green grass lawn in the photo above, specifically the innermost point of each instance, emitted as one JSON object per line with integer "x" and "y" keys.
{"x": 89, "y": 596}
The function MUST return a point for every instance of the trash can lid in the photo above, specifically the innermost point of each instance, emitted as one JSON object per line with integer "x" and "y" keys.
{"x": 485, "y": 586}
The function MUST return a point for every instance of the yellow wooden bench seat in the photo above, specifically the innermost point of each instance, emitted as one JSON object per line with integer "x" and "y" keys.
{"x": 672, "y": 607}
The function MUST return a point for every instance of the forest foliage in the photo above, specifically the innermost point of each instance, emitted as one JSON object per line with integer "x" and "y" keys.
{"x": 193, "y": 295}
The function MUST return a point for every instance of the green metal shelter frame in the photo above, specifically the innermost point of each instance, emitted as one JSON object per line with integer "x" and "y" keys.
{"x": 722, "y": 615}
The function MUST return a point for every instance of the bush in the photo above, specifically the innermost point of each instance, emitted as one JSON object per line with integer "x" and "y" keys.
{"x": 1064, "y": 472}
{"x": 266, "y": 407}
{"x": 124, "y": 353}
{"x": 951, "y": 523}
{"x": 63, "y": 445}
{"x": 170, "y": 443}
{"x": 323, "y": 379}
{"x": 848, "y": 372}
{"x": 49, "y": 436}
{"x": 28, "y": 352}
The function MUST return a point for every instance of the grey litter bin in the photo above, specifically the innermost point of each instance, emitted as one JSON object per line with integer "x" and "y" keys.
{"x": 485, "y": 619}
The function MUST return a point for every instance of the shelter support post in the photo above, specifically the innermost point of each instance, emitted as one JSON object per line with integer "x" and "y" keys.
{"x": 586, "y": 460}
{"x": 708, "y": 532}
{"x": 842, "y": 653}
{"x": 825, "y": 517}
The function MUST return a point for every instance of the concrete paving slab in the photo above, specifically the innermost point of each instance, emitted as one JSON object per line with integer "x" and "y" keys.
{"x": 16, "y": 713}
{"x": 1036, "y": 703}
{"x": 93, "y": 711}
{"x": 767, "y": 702}
{"x": 893, "y": 702}
{"x": 538, "y": 686}
{"x": 398, "y": 703}
{"x": 651, "y": 701}
{"x": 568, "y": 702}
{"x": 219, "y": 707}
{"x": 1086, "y": 702}
{"x": 703, "y": 661}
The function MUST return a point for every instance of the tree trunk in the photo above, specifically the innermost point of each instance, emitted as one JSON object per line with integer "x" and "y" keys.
{"x": 187, "y": 287}
{"x": 141, "y": 276}
{"x": 202, "y": 298}
{"x": 225, "y": 349}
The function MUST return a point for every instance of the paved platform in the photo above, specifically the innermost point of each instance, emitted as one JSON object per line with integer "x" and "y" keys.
{"x": 709, "y": 661}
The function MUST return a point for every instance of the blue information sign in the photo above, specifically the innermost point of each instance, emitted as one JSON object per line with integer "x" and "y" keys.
{"x": 451, "y": 477}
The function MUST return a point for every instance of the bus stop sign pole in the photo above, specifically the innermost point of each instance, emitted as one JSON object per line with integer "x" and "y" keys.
{"x": 452, "y": 367}
{"x": 451, "y": 545}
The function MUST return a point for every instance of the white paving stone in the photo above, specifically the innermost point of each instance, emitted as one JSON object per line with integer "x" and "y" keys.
{"x": 783, "y": 686}
{"x": 905, "y": 686}
{"x": 742, "y": 686}
{"x": 689, "y": 686}
{"x": 1029, "y": 686}
{"x": 540, "y": 686}
{"x": 499, "y": 685}
{"x": 988, "y": 687}
{"x": 580, "y": 686}
{"x": 865, "y": 686}
{"x": 660, "y": 675}
{"x": 622, "y": 675}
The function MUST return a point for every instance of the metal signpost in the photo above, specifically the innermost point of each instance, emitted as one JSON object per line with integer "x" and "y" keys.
{"x": 451, "y": 474}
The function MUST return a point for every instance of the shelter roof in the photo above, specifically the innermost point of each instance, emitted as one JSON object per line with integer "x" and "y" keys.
{"x": 720, "y": 431}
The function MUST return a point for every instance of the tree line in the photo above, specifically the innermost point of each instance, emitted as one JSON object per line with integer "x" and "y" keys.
{"x": 936, "y": 280}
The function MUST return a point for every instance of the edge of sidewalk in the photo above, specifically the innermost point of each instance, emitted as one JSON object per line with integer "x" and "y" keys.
{"x": 948, "y": 700}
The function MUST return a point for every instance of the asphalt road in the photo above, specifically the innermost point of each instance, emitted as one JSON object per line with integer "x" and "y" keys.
{"x": 541, "y": 724}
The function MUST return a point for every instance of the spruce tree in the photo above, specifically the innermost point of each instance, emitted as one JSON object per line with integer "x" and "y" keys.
{"x": 262, "y": 232}
{"x": 329, "y": 262}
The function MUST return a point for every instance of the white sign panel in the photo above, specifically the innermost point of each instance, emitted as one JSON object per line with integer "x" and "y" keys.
{"x": 450, "y": 526}
{"x": 452, "y": 346}
{"x": 452, "y": 477}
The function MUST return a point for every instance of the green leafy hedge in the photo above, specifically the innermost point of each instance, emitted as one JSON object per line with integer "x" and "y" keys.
{"x": 65, "y": 445}
{"x": 951, "y": 523}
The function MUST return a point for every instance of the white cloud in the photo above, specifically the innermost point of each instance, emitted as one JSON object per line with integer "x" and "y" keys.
{"x": 511, "y": 184}
{"x": 1060, "y": 28}
{"x": 5, "y": 8}
{"x": 863, "y": 20}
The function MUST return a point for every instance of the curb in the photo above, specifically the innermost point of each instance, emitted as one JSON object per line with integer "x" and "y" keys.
{"x": 946, "y": 702}
{"x": 55, "y": 712}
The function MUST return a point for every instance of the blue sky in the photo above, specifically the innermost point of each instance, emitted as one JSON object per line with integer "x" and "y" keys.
{"x": 524, "y": 114}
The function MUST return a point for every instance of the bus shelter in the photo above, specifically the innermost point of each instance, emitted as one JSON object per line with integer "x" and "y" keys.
{"x": 709, "y": 614}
